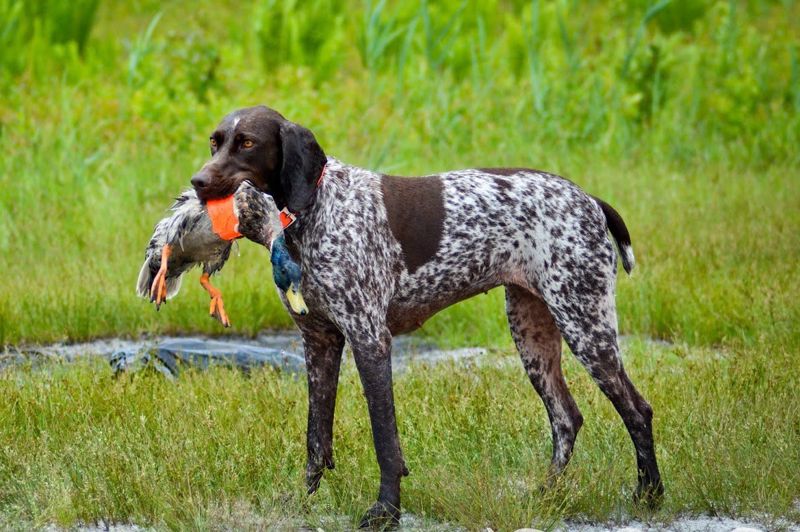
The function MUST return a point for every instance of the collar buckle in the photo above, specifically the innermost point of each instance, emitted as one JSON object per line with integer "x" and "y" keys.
{"x": 287, "y": 218}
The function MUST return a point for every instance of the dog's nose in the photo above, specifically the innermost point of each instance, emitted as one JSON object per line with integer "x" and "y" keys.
{"x": 200, "y": 180}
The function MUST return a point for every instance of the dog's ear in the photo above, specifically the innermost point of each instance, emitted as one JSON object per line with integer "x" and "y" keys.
{"x": 303, "y": 161}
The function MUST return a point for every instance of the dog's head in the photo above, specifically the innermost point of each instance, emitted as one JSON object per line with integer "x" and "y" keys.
{"x": 259, "y": 145}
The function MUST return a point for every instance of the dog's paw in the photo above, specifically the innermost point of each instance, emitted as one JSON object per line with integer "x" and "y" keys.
{"x": 649, "y": 494}
{"x": 382, "y": 516}
{"x": 313, "y": 478}
{"x": 314, "y": 472}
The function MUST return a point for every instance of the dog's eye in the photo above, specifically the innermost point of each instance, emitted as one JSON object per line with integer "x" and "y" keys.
{"x": 213, "y": 143}
{"x": 247, "y": 144}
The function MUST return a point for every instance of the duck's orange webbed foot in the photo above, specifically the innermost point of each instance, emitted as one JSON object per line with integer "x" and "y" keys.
{"x": 158, "y": 290}
{"x": 216, "y": 309}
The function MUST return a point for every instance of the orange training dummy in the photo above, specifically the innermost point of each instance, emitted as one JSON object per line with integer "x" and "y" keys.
{"x": 223, "y": 218}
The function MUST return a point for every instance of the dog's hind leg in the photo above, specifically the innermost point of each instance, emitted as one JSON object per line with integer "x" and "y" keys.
{"x": 584, "y": 309}
{"x": 539, "y": 344}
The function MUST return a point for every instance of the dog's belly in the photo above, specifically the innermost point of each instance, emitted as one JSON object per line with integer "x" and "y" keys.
{"x": 407, "y": 314}
{"x": 456, "y": 273}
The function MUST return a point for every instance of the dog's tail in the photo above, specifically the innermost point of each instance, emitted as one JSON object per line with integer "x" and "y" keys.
{"x": 620, "y": 233}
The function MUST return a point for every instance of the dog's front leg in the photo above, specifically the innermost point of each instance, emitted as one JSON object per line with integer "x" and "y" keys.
{"x": 372, "y": 354}
{"x": 323, "y": 345}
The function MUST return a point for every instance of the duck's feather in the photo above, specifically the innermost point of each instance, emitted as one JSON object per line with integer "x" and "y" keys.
{"x": 188, "y": 215}
{"x": 188, "y": 231}
{"x": 214, "y": 265}
{"x": 146, "y": 276}
{"x": 259, "y": 219}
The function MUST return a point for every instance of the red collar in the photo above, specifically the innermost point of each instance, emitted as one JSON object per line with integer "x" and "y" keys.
{"x": 287, "y": 216}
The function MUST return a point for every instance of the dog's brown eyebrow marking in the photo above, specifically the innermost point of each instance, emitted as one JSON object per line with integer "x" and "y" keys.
{"x": 415, "y": 208}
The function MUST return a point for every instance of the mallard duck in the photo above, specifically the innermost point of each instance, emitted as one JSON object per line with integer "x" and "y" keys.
{"x": 287, "y": 275}
{"x": 189, "y": 237}
{"x": 251, "y": 204}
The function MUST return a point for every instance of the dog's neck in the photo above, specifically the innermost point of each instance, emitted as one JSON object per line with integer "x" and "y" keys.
{"x": 288, "y": 217}
{"x": 331, "y": 180}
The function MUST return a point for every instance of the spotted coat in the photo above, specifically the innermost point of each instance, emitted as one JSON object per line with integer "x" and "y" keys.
{"x": 537, "y": 234}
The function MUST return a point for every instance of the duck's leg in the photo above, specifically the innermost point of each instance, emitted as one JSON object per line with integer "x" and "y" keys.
{"x": 216, "y": 310}
{"x": 158, "y": 290}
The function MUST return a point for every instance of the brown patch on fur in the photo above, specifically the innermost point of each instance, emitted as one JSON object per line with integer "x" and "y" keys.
{"x": 415, "y": 208}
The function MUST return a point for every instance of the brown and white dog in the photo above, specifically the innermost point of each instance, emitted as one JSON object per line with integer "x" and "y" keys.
{"x": 381, "y": 254}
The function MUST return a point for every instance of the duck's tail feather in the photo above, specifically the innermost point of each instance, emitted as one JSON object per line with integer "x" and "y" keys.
{"x": 173, "y": 286}
{"x": 145, "y": 281}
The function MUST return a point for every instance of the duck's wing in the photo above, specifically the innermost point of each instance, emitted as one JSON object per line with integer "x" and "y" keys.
{"x": 216, "y": 263}
{"x": 259, "y": 218}
{"x": 169, "y": 230}
{"x": 187, "y": 215}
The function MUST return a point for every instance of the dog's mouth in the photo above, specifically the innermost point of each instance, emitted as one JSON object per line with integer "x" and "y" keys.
{"x": 221, "y": 187}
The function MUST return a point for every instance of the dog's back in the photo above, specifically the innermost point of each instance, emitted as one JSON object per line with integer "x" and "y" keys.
{"x": 443, "y": 238}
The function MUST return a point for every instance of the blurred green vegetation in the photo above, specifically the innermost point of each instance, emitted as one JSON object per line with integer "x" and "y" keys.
{"x": 684, "y": 115}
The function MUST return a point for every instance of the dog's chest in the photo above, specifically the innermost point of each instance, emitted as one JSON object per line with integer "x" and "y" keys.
{"x": 345, "y": 251}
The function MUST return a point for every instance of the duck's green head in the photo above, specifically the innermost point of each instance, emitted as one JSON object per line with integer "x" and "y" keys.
{"x": 287, "y": 275}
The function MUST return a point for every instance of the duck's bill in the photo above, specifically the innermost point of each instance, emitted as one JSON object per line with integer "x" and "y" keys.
{"x": 295, "y": 299}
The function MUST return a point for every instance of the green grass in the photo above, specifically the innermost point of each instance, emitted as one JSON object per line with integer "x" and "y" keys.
{"x": 684, "y": 115}
{"x": 218, "y": 447}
